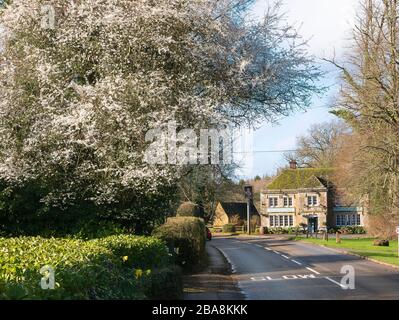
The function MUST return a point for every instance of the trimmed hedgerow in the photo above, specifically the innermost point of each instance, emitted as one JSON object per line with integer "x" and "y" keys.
{"x": 188, "y": 209}
{"x": 186, "y": 238}
{"x": 229, "y": 228}
{"x": 95, "y": 269}
{"x": 139, "y": 252}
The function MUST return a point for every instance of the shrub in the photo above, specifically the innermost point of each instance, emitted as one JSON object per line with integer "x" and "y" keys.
{"x": 83, "y": 269}
{"x": 264, "y": 230}
{"x": 350, "y": 230}
{"x": 333, "y": 230}
{"x": 141, "y": 252}
{"x": 166, "y": 284}
{"x": 304, "y": 226}
{"x": 98, "y": 229}
{"x": 229, "y": 228}
{"x": 278, "y": 230}
{"x": 186, "y": 238}
{"x": 188, "y": 209}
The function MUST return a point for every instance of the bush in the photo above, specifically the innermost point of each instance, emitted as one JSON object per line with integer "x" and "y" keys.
{"x": 141, "y": 252}
{"x": 263, "y": 230}
{"x": 333, "y": 230}
{"x": 91, "y": 269}
{"x": 229, "y": 228}
{"x": 278, "y": 230}
{"x": 98, "y": 229}
{"x": 351, "y": 230}
{"x": 186, "y": 238}
{"x": 166, "y": 284}
{"x": 188, "y": 209}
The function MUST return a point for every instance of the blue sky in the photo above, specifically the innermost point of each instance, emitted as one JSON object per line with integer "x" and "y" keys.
{"x": 327, "y": 25}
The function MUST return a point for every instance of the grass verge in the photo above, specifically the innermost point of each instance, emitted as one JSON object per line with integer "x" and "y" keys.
{"x": 363, "y": 247}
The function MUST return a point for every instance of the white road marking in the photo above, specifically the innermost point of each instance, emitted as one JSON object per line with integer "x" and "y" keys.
{"x": 335, "y": 282}
{"x": 314, "y": 271}
{"x": 258, "y": 245}
{"x": 268, "y": 249}
{"x": 285, "y": 257}
{"x": 285, "y": 277}
{"x": 276, "y": 252}
{"x": 298, "y": 263}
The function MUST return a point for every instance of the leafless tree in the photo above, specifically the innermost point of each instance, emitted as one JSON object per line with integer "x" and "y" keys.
{"x": 369, "y": 103}
{"x": 320, "y": 147}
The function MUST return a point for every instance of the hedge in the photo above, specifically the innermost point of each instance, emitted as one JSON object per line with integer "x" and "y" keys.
{"x": 229, "y": 228}
{"x": 186, "y": 238}
{"x": 188, "y": 209}
{"x": 141, "y": 252}
{"x": 95, "y": 269}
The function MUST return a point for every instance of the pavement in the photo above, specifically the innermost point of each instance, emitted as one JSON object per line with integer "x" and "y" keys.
{"x": 276, "y": 268}
{"x": 214, "y": 283}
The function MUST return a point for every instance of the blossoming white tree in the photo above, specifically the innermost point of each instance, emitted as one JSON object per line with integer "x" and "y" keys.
{"x": 83, "y": 81}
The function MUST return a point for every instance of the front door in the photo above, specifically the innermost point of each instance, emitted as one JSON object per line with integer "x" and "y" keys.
{"x": 313, "y": 224}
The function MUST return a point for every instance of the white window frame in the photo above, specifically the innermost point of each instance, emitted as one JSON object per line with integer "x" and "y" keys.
{"x": 314, "y": 201}
{"x": 281, "y": 221}
{"x": 288, "y": 202}
{"x": 273, "y": 202}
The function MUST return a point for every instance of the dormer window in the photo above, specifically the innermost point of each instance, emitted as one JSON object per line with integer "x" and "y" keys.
{"x": 312, "y": 201}
{"x": 273, "y": 202}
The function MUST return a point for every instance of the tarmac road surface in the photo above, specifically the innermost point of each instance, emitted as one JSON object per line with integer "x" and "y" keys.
{"x": 275, "y": 269}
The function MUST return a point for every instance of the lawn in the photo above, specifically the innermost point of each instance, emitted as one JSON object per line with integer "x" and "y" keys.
{"x": 363, "y": 247}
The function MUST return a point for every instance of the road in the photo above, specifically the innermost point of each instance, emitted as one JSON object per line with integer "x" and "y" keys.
{"x": 276, "y": 269}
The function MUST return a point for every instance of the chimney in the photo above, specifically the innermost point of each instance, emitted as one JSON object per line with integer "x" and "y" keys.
{"x": 293, "y": 164}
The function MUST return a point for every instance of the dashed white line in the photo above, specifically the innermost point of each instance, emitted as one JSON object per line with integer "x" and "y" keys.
{"x": 268, "y": 249}
{"x": 285, "y": 257}
{"x": 335, "y": 282}
{"x": 258, "y": 245}
{"x": 314, "y": 271}
{"x": 294, "y": 261}
{"x": 276, "y": 252}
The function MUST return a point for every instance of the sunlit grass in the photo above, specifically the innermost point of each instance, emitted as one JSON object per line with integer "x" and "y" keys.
{"x": 363, "y": 247}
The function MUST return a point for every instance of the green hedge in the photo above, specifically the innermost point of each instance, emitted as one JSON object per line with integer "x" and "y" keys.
{"x": 141, "y": 252}
{"x": 188, "y": 209}
{"x": 280, "y": 230}
{"x": 229, "y": 228}
{"x": 186, "y": 238}
{"x": 95, "y": 269}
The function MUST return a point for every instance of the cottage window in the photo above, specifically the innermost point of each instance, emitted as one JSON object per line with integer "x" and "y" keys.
{"x": 344, "y": 220}
{"x": 312, "y": 201}
{"x": 281, "y": 221}
{"x": 273, "y": 202}
{"x": 285, "y": 221}
{"x": 288, "y": 202}
{"x": 339, "y": 223}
